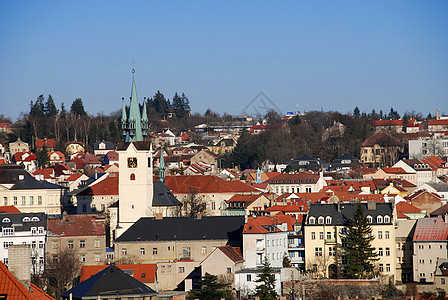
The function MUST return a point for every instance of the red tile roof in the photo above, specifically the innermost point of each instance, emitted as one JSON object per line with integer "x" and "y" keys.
{"x": 48, "y": 143}
{"x": 407, "y": 208}
{"x": 438, "y": 122}
{"x": 10, "y": 209}
{"x": 381, "y": 138}
{"x": 295, "y": 206}
{"x": 185, "y": 184}
{"x": 73, "y": 177}
{"x": 431, "y": 229}
{"x": 401, "y": 215}
{"x": 15, "y": 290}
{"x": 47, "y": 172}
{"x": 391, "y": 122}
{"x": 107, "y": 186}
{"x": 264, "y": 223}
{"x": 302, "y": 177}
{"x": 234, "y": 253}
{"x": 394, "y": 170}
{"x": 76, "y": 225}
{"x": 142, "y": 272}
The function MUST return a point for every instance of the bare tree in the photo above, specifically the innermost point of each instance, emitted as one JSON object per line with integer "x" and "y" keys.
{"x": 434, "y": 147}
{"x": 62, "y": 271}
{"x": 193, "y": 206}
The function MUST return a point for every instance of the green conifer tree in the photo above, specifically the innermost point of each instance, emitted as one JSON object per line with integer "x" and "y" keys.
{"x": 266, "y": 289}
{"x": 208, "y": 288}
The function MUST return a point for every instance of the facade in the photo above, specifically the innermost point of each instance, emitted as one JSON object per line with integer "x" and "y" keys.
{"x": 422, "y": 148}
{"x": 429, "y": 244}
{"x": 19, "y": 188}
{"x": 245, "y": 205}
{"x": 98, "y": 196}
{"x": 18, "y": 146}
{"x": 404, "y": 234}
{"x": 102, "y": 148}
{"x": 223, "y": 262}
{"x": 381, "y": 149}
{"x": 24, "y": 228}
{"x": 85, "y": 234}
{"x": 303, "y": 182}
{"x": 324, "y": 235}
{"x": 74, "y": 147}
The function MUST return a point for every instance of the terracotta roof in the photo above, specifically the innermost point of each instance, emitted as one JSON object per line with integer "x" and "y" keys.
{"x": 295, "y": 206}
{"x": 407, "y": 208}
{"x": 391, "y": 122}
{"x": 15, "y": 290}
{"x": 76, "y": 225}
{"x": 185, "y": 184}
{"x": 59, "y": 153}
{"x": 266, "y": 224}
{"x": 438, "y": 122}
{"x": 141, "y": 272}
{"x": 10, "y": 209}
{"x": 107, "y": 186}
{"x": 381, "y": 138}
{"x": 394, "y": 170}
{"x": 234, "y": 253}
{"x": 420, "y": 193}
{"x": 73, "y": 177}
{"x": 401, "y": 215}
{"x": 302, "y": 177}
{"x": 47, "y": 172}
{"x": 431, "y": 229}
{"x": 49, "y": 143}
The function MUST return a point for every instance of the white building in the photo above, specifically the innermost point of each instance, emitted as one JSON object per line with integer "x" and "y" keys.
{"x": 426, "y": 147}
{"x": 24, "y": 228}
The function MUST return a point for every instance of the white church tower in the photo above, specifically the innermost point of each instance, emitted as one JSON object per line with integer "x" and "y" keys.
{"x": 136, "y": 185}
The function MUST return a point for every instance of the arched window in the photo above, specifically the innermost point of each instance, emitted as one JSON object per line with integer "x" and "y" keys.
{"x": 328, "y": 220}
{"x": 320, "y": 220}
{"x": 386, "y": 219}
{"x": 132, "y": 177}
{"x": 370, "y": 219}
{"x": 26, "y": 219}
{"x": 379, "y": 219}
{"x": 312, "y": 220}
{"x": 6, "y": 220}
{"x": 35, "y": 219}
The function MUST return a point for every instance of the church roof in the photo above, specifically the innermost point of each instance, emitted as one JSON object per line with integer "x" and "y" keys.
{"x": 163, "y": 196}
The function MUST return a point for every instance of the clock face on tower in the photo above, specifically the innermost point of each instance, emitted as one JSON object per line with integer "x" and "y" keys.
{"x": 132, "y": 162}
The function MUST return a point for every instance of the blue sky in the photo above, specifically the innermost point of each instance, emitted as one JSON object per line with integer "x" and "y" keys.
{"x": 330, "y": 55}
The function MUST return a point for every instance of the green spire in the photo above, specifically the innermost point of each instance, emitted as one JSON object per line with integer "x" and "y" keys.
{"x": 161, "y": 167}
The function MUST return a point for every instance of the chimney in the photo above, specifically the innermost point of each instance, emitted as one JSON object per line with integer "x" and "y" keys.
{"x": 19, "y": 262}
{"x": 437, "y": 114}
{"x": 371, "y": 205}
{"x": 21, "y": 177}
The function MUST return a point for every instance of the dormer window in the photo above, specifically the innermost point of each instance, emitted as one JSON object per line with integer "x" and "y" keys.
{"x": 369, "y": 219}
{"x": 312, "y": 220}
{"x": 321, "y": 220}
{"x": 328, "y": 220}
{"x": 35, "y": 219}
{"x": 379, "y": 219}
{"x": 26, "y": 219}
{"x": 386, "y": 219}
{"x": 6, "y": 220}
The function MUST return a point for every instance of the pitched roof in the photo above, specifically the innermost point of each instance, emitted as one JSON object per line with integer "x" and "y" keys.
{"x": 394, "y": 170}
{"x": 48, "y": 143}
{"x": 107, "y": 186}
{"x": 76, "y": 225}
{"x": 266, "y": 224}
{"x": 183, "y": 228}
{"x": 407, "y": 208}
{"x": 15, "y": 290}
{"x": 441, "y": 211}
{"x": 141, "y": 145}
{"x": 141, "y": 272}
{"x": 163, "y": 196}
{"x": 10, "y": 209}
{"x": 381, "y": 138}
{"x": 302, "y": 177}
{"x": 111, "y": 281}
{"x": 234, "y": 253}
{"x": 294, "y": 206}
{"x": 431, "y": 229}
{"x": 185, "y": 184}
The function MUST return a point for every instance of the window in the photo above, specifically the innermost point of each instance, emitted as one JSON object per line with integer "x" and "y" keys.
{"x": 379, "y": 219}
{"x": 386, "y": 235}
{"x": 442, "y": 280}
{"x": 204, "y": 249}
{"x": 23, "y": 200}
{"x": 313, "y": 235}
{"x": 41, "y": 244}
{"x": 213, "y": 205}
{"x": 31, "y": 200}
{"x": 142, "y": 251}
{"x": 229, "y": 270}
{"x": 33, "y": 244}
{"x": 124, "y": 251}
{"x": 387, "y": 251}
{"x": 39, "y": 200}
{"x": 312, "y": 220}
{"x": 154, "y": 251}
{"x": 70, "y": 244}
{"x": 381, "y": 268}
{"x": 33, "y": 230}
{"x": 6, "y": 220}
{"x": 84, "y": 208}
{"x": 332, "y": 251}
{"x": 386, "y": 219}
{"x": 321, "y": 235}
{"x": 5, "y": 201}
{"x": 132, "y": 177}
{"x": 318, "y": 251}
{"x": 186, "y": 252}
{"x": 82, "y": 244}
{"x": 8, "y": 231}
{"x": 15, "y": 200}
{"x": 97, "y": 257}
{"x": 82, "y": 257}
{"x": 328, "y": 220}
{"x": 321, "y": 220}
{"x": 54, "y": 245}
{"x": 249, "y": 277}
{"x": 328, "y": 235}
{"x": 387, "y": 267}
{"x": 181, "y": 269}
{"x": 380, "y": 251}
{"x": 6, "y": 244}
{"x": 97, "y": 243}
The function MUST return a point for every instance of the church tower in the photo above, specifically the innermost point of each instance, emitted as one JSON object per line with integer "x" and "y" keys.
{"x": 136, "y": 187}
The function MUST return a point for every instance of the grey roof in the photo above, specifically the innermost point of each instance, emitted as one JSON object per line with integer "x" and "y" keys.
{"x": 185, "y": 228}
{"x": 22, "y": 180}
{"x": 111, "y": 281}
{"x": 439, "y": 187}
{"x": 108, "y": 145}
{"x": 18, "y": 221}
{"x": 346, "y": 211}
{"x": 163, "y": 195}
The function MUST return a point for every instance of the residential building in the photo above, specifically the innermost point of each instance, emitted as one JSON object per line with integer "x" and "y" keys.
{"x": 19, "y": 188}
{"x": 424, "y": 147}
{"x": 426, "y": 201}
{"x": 103, "y": 147}
{"x": 24, "y": 228}
{"x": 429, "y": 244}
{"x": 223, "y": 262}
{"x": 302, "y": 182}
{"x": 245, "y": 205}
{"x": 404, "y": 234}
{"x": 98, "y": 195}
{"x": 86, "y": 234}
{"x": 47, "y": 144}
{"x": 380, "y": 149}
{"x": 74, "y": 147}
{"x": 325, "y": 228}
{"x": 441, "y": 274}
{"x": 18, "y": 146}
